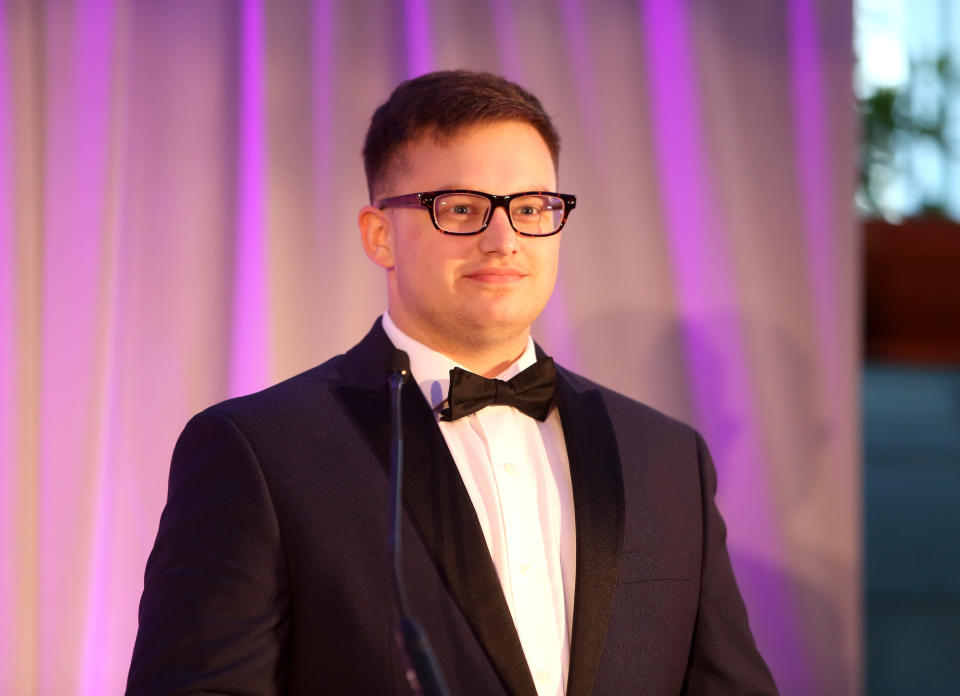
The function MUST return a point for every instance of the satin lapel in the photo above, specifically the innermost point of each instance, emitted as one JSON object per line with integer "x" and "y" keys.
{"x": 438, "y": 504}
{"x": 598, "y": 502}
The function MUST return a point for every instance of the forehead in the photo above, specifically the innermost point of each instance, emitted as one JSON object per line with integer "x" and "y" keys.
{"x": 498, "y": 157}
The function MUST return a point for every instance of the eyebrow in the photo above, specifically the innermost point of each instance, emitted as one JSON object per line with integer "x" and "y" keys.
{"x": 452, "y": 187}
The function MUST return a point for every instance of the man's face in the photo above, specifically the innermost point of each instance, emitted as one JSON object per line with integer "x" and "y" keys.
{"x": 481, "y": 292}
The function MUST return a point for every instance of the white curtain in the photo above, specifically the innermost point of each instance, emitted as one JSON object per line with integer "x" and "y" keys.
{"x": 179, "y": 182}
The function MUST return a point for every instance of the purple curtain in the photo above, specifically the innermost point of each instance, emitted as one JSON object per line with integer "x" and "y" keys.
{"x": 178, "y": 189}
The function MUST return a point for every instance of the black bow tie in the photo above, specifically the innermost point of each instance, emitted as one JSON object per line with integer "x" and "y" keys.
{"x": 531, "y": 391}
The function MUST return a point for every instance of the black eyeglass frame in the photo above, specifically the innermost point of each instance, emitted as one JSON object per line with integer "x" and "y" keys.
{"x": 426, "y": 199}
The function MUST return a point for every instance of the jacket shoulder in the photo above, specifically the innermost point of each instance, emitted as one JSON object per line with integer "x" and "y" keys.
{"x": 308, "y": 391}
{"x": 624, "y": 410}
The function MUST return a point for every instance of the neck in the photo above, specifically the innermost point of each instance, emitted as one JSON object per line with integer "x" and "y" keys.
{"x": 486, "y": 358}
{"x": 487, "y": 365}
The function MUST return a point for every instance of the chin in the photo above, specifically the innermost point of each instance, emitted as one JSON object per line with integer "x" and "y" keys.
{"x": 502, "y": 323}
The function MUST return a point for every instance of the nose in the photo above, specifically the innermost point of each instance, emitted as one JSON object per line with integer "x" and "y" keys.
{"x": 498, "y": 237}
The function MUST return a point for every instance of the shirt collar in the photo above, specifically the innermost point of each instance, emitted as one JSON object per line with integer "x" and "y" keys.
{"x": 431, "y": 369}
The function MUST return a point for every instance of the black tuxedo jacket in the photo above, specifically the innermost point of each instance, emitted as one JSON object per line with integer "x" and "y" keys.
{"x": 270, "y": 572}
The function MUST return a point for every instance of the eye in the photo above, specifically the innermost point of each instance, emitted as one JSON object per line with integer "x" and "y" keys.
{"x": 529, "y": 208}
{"x": 460, "y": 206}
{"x": 527, "y": 211}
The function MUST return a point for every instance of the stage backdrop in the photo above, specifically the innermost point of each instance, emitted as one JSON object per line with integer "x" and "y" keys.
{"x": 179, "y": 182}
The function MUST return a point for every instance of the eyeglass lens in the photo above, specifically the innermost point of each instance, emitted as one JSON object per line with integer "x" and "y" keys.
{"x": 465, "y": 213}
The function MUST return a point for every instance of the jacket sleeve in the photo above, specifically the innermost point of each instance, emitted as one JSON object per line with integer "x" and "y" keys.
{"x": 214, "y": 615}
{"x": 723, "y": 658}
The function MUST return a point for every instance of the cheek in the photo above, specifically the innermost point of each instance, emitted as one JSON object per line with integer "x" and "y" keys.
{"x": 423, "y": 273}
{"x": 547, "y": 262}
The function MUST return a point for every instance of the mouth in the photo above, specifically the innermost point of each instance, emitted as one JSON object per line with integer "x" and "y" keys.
{"x": 497, "y": 275}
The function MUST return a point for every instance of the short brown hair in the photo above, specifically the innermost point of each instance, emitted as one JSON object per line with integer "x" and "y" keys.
{"x": 441, "y": 104}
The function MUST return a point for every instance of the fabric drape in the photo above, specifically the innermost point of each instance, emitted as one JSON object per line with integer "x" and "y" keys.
{"x": 179, "y": 183}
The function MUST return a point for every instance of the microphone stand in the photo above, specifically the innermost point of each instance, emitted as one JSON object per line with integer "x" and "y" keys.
{"x": 422, "y": 672}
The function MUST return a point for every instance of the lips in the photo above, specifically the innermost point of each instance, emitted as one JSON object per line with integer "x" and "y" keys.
{"x": 497, "y": 274}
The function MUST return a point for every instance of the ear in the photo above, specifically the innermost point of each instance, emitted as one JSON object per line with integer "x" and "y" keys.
{"x": 376, "y": 234}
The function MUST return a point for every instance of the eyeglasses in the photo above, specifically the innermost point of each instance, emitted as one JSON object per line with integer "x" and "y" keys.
{"x": 461, "y": 211}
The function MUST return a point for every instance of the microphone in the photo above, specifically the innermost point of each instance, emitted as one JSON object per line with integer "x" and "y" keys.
{"x": 422, "y": 672}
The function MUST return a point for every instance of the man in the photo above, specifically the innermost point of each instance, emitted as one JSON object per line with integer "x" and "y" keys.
{"x": 563, "y": 539}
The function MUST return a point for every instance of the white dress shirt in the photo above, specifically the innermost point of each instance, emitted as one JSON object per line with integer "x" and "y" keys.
{"x": 516, "y": 472}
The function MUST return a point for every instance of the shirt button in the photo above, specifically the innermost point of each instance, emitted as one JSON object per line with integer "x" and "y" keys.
{"x": 543, "y": 675}
{"x": 526, "y": 569}
{"x": 510, "y": 468}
